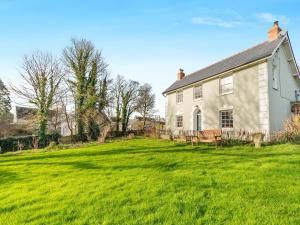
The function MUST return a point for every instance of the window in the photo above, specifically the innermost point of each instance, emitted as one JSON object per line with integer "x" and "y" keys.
{"x": 179, "y": 121}
{"x": 226, "y": 85}
{"x": 198, "y": 92}
{"x": 179, "y": 96}
{"x": 274, "y": 77}
{"x": 226, "y": 119}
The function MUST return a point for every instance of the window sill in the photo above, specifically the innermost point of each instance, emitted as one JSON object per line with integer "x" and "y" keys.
{"x": 226, "y": 93}
{"x": 179, "y": 103}
{"x": 197, "y": 99}
{"x": 227, "y": 129}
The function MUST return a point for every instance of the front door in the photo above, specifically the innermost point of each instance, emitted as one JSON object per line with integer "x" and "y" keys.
{"x": 198, "y": 121}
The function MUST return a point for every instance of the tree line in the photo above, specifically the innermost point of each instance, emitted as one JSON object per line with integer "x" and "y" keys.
{"x": 79, "y": 79}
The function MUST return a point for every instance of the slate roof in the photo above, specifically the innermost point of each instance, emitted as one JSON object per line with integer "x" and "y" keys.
{"x": 27, "y": 113}
{"x": 253, "y": 54}
{"x": 23, "y": 112}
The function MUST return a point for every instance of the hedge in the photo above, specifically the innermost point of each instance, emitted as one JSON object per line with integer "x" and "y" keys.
{"x": 24, "y": 142}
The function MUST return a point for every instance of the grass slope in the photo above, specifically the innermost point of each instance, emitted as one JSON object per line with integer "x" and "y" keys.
{"x": 146, "y": 181}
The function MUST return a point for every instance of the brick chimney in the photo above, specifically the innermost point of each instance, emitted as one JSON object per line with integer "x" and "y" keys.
{"x": 274, "y": 31}
{"x": 180, "y": 74}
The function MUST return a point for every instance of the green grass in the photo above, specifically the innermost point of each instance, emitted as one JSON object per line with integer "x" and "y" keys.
{"x": 147, "y": 181}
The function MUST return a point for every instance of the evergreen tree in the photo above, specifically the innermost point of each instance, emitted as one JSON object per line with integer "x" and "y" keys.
{"x": 5, "y": 102}
{"x": 89, "y": 73}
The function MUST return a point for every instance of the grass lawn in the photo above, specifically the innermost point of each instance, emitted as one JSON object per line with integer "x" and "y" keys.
{"x": 147, "y": 181}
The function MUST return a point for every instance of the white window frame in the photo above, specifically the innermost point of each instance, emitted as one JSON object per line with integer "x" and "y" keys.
{"x": 177, "y": 122}
{"x": 195, "y": 91}
{"x": 179, "y": 96}
{"x": 226, "y": 79}
{"x": 228, "y": 121}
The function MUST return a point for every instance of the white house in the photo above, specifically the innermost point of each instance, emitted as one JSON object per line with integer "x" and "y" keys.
{"x": 254, "y": 90}
{"x": 56, "y": 122}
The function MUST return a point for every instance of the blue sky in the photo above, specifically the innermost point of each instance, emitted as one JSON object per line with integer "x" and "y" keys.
{"x": 147, "y": 41}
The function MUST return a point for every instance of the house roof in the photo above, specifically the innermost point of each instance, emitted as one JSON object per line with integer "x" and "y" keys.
{"x": 250, "y": 55}
{"x": 27, "y": 113}
{"x": 23, "y": 112}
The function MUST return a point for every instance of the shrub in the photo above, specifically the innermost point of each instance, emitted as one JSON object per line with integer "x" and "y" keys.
{"x": 290, "y": 133}
{"x": 24, "y": 142}
{"x": 235, "y": 142}
{"x": 67, "y": 140}
{"x": 54, "y": 146}
{"x": 131, "y": 136}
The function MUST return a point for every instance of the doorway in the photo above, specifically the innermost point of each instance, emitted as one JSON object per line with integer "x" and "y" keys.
{"x": 198, "y": 121}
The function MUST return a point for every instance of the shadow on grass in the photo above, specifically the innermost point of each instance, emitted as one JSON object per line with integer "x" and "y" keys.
{"x": 138, "y": 150}
{"x": 85, "y": 165}
{"x": 8, "y": 177}
{"x": 208, "y": 151}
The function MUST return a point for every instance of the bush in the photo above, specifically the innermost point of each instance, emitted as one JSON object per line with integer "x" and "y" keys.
{"x": 24, "y": 142}
{"x": 54, "y": 146}
{"x": 66, "y": 140}
{"x": 290, "y": 133}
{"x": 235, "y": 142}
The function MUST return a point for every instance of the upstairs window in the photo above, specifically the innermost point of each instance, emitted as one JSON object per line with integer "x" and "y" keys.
{"x": 226, "y": 119}
{"x": 198, "y": 92}
{"x": 226, "y": 85}
{"x": 179, "y": 121}
{"x": 179, "y": 96}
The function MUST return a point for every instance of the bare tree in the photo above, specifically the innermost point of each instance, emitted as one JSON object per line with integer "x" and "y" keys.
{"x": 129, "y": 95}
{"x": 64, "y": 109}
{"x": 41, "y": 75}
{"x": 145, "y": 102}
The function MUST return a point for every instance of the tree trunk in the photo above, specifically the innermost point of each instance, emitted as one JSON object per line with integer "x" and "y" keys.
{"x": 144, "y": 121}
{"x": 80, "y": 128}
{"x": 124, "y": 118}
{"x": 42, "y": 131}
{"x": 79, "y": 105}
{"x": 118, "y": 118}
{"x": 80, "y": 122}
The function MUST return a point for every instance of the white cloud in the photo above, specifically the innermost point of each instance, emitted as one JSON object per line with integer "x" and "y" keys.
{"x": 214, "y": 21}
{"x": 269, "y": 17}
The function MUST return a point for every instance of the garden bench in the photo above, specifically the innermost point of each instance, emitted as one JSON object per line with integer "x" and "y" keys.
{"x": 207, "y": 136}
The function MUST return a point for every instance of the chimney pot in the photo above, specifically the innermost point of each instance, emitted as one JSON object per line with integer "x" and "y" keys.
{"x": 180, "y": 74}
{"x": 274, "y": 31}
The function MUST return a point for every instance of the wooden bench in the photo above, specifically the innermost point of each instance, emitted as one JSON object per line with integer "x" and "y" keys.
{"x": 207, "y": 136}
{"x": 188, "y": 139}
